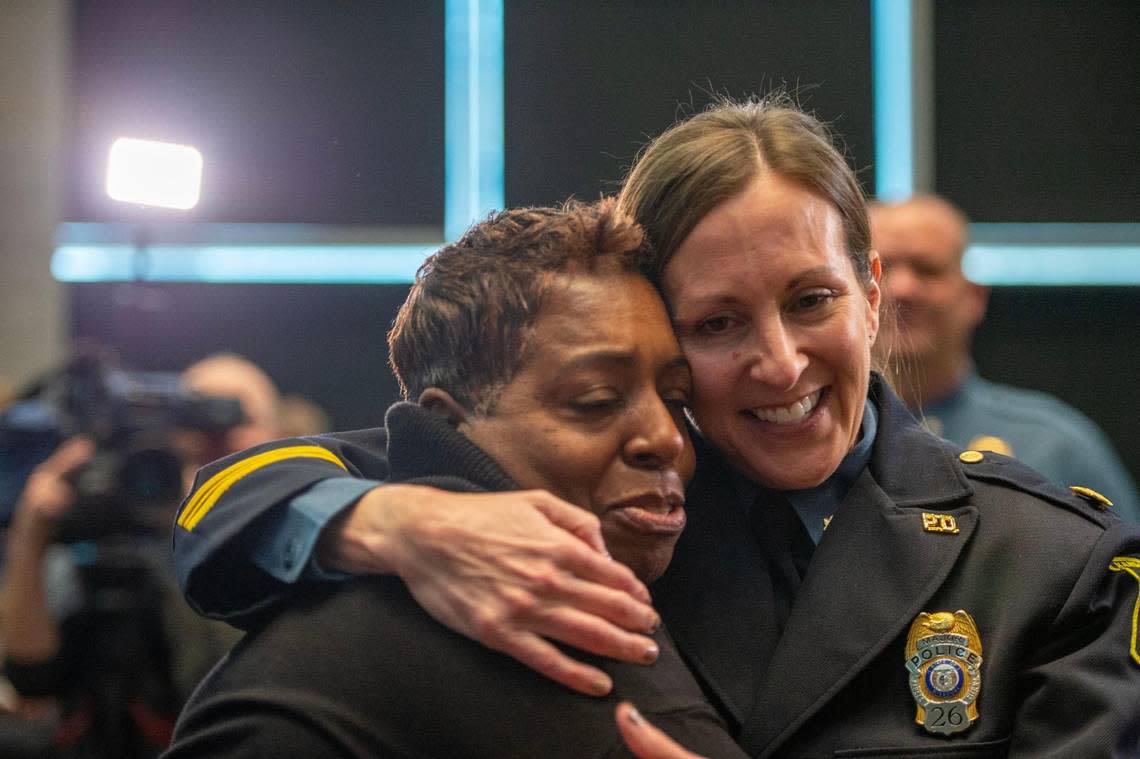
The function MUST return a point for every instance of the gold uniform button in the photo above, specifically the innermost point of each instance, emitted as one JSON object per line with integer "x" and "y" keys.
{"x": 1093, "y": 497}
{"x": 970, "y": 457}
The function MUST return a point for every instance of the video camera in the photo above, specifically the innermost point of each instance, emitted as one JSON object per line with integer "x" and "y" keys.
{"x": 134, "y": 479}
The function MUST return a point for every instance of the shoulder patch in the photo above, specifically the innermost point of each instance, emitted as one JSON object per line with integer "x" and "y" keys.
{"x": 1130, "y": 565}
{"x": 1009, "y": 472}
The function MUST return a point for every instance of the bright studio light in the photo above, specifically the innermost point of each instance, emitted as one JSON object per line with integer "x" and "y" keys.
{"x": 154, "y": 173}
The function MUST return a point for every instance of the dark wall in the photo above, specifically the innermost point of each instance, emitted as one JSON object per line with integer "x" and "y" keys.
{"x": 332, "y": 113}
{"x": 327, "y": 342}
{"x": 589, "y": 82}
{"x": 1038, "y": 103}
{"x": 1037, "y": 120}
{"x": 1079, "y": 344}
{"x": 306, "y": 112}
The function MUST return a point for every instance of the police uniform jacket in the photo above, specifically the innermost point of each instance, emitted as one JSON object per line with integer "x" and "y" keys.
{"x": 358, "y": 669}
{"x": 1051, "y": 581}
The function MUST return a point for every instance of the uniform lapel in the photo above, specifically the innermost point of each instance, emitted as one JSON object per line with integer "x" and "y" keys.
{"x": 717, "y": 597}
{"x": 870, "y": 576}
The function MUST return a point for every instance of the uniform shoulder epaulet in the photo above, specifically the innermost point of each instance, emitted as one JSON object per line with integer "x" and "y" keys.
{"x": 998, "y": 469}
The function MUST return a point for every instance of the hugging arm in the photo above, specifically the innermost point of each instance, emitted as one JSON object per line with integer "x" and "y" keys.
{"x": 510, "y": 570}
{"x": 256, "y": 732}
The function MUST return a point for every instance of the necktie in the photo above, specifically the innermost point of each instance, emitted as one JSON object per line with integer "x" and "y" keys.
{"x": 786, "y": 544}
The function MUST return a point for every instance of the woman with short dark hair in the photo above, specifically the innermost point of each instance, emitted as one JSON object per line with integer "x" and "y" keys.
{"x": 540, "y": 358}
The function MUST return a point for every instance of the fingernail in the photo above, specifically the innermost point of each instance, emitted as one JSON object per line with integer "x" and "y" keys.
{"x": 600, "y": 687}
{"x": 654, "y": 624}
{"x": 651, "y": 653}
{"x": 634, "y": 717}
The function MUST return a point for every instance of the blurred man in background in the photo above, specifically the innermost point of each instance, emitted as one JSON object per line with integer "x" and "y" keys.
{"x": 100, "y": 647}
{"x": 921, "y": 242}
{"x": 297, "y": 416}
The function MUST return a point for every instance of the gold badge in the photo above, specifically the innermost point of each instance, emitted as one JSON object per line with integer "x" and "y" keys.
{"x": 944, "y": 658}
{"x": 939, "y": 523}
{"x": 1130, "y": 565}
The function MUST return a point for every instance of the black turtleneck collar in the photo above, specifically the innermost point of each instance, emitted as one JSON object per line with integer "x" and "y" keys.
{"x": 422, "y": 445}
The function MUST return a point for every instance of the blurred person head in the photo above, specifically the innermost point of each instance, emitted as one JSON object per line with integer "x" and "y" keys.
{"x": 764, "y": 258}
{"x": 537, "y": 336}
{"x": 298, "y": 416}
{"x": 228, "y": 375}
{"x": 921, "y": 242}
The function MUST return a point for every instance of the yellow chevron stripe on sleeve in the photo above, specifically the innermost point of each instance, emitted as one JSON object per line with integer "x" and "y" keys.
{"x": 1130, "y": 564}
{"x": 212, "y": 489}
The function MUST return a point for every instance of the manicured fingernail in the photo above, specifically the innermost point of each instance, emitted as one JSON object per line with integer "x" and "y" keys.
{"x": 600, "y": 687}
{"x": 634, "y": 717}
{"x": 654, "y": 624}
{"x": 651, "y": 653}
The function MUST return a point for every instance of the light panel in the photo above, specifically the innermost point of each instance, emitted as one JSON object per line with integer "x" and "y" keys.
{"x": 297, "y": 264}
{"x": 1053, "y": 254}
{"x": 892, "y": 75}
{"x": 1058, "y": 265}
{"x": 152, "y": 173}
{"x": 1002, "y": 254}
{"x": 473, "y": 187}
{"x": 473, "y": 117}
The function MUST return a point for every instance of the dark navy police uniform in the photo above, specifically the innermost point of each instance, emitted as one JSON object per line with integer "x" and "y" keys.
{"x": 358, "y": 669}
{"x": 1048, "y": 666}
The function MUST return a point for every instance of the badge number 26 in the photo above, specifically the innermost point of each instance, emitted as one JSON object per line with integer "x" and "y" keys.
{"x": 947, "y": 717}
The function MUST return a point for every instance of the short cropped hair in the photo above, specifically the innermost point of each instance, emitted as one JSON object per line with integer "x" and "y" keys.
{"x": 466, "y": 323}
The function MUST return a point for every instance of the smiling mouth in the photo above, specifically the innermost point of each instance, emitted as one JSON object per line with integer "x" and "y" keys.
{"x": 794, "y": 412}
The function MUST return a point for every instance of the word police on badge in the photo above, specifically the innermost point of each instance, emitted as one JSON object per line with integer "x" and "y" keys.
{"x": 944, "y": 658}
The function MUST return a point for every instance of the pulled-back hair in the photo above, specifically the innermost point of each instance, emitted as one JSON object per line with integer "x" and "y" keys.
{"x": 466, "y": 323}
{"x": 700, "y": 162}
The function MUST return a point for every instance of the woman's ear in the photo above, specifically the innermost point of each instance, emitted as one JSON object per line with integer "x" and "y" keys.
{"x": 441, "y": 402}
{"x": 874, "y": 294}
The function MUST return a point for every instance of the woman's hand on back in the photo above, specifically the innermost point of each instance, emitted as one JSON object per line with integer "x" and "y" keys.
{"x": 512, "y": 571}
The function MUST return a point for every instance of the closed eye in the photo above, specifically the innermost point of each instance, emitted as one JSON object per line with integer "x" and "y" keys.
{"x": 596, "y": 404}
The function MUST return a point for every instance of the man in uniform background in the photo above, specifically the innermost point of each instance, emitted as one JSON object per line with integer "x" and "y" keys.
{"x": 921, "y": 241}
